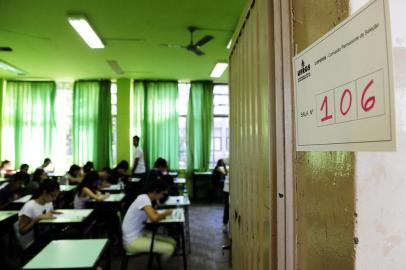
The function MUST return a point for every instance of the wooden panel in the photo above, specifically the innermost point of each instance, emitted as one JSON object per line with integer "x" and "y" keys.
{"x": 324, "y": 180}
{"x": 252, "y": 151}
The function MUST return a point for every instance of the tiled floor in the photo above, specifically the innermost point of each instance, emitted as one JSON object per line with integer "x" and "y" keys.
{"x": 206, "y": 241}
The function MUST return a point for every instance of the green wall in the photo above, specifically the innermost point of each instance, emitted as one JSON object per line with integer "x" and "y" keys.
{"x": 2, "y": 84}
{"x": 123, "y": 120}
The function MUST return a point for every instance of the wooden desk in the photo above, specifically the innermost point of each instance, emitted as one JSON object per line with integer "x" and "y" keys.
{"x": 67, "y": 188}
{"x": 114, "y": 198}
{"x": 114, "y": 189}
{"x": 178, "y": 218}
{"x": 7, "y": 220}
{"x": 180, "y": 181}
{"x": 19, "y": 203}
{"x": 56, "y": 174}
{"x": 70, "y": 254}
{"x": 3, "y": 181}
{"x": 112, "y": 203}
{"x": 80, "y": 218}
{"x": 173, "y": 174}
{"x": 174, "y": 201}
{"x": 183, "y": 202}
{"x": 134, "y": 179}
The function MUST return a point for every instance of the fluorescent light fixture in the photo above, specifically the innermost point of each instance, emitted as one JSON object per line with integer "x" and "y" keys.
{"x": 218, "y": 70}
{"x": 8, "y": 67}
{"x": 229, "y": 44}
{"x": 85, "y": 30}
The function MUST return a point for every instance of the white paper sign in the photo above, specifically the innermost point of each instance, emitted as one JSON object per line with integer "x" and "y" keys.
{"x": 344, "y": 86}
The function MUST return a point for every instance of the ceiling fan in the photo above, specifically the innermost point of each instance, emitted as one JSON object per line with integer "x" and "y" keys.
{"x": 5, "y": 49}
{"x": 194, "y": 47}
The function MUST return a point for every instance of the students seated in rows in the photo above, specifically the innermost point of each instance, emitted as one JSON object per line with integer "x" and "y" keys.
{"x": 5, "y": 169}
{"x": 135, "y": 237}
{"x": 120, "y": 172}
{"x": 12, "y": 190}
{"x": 47, "y": 166}
{"x": 87, "y": 190}
{"x": 74, "y": 176}
{"x": 37, "y": 178}
{"x": 39, "y": 208}
{"x": 104, "y": 176}
{"x": 160, "y": 168}
{"x": 24, "y": 171}
{"x": 88, "y": 167}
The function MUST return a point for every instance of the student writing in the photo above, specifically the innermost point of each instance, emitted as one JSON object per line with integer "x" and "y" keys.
{"x": 135, "y": 237}
{"x": 87, "y": 190}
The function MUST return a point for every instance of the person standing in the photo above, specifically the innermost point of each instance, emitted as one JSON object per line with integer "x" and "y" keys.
{"x": 138, "y": 169}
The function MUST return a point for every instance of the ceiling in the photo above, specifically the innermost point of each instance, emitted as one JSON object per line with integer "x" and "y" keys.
{"x": 47, "y": 47}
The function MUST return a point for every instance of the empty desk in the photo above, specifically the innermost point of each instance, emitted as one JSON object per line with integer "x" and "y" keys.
{"x": 70, "y": 254}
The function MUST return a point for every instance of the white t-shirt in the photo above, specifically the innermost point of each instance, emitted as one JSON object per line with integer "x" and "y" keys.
{"x": 32, "y": 209}
{"x": 79, "y": 202}
{"x": 137, "y": 153}
{"x": 133, "y": 224}
{"x": 226, "y": 187}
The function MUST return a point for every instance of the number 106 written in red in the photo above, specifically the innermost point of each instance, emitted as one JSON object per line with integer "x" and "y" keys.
{"x": 356, "y": 100}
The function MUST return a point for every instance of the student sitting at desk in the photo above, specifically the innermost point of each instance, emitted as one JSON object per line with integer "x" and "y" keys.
{"x": 120, "y": 173}
{"x": 12, "y": 190}
{"x": 104, "y": 176}
{"x": 88, "y": 167}
{"x": 47, "y": 166}
{"x": 87, "y": 190}
{"x": 160, "y": 168}
{"x": 24, "y": 170}
{"x": 6, "y": 169}
{"x": 37, "y": 178}
{"x": 135, "y": 237}
{"x": 39, "y": 208}
{"x": 74, "y": 176}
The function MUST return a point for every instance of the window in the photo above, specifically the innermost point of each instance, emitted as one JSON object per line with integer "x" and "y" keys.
{"x": 113, "y": 92}
{"x": 183, "y": 99}
{"x": 220, "y": 135}
{"x": 63, "y": 140}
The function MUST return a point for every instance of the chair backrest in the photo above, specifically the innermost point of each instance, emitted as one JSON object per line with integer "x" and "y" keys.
{"x": 24, "y": 240}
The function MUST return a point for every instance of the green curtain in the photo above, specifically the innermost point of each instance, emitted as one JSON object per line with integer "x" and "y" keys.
{"x": 28, "y": 121}
{"x": 138, "y": 112}
{"x": 91, "y": 128}
{"x": 156, "y": 120}
{"x": 199, "y": 126}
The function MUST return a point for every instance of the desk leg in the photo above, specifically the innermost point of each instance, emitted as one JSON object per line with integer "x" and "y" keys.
{"x": 187, "y": 228}
{"x": 194, "y": 187}
{"x": 151, "y": 249}
{"x": 183, "y": 247}
{"x": 109, "y": 256}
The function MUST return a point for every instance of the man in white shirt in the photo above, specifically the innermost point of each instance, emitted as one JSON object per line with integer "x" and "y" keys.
{"x": 138, "y": 169}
